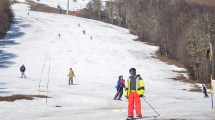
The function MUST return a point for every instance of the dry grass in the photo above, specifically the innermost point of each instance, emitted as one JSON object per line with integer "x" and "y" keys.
{"x": 13, "y": 98}
{"x": 42, "y": 8}
{"x": 182, "y": 78}
{"x": 169, "y": 61}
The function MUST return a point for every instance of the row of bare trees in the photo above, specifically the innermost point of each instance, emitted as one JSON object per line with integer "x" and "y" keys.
{"x": 182, "y": 29}
{"x": 6, "y": 16}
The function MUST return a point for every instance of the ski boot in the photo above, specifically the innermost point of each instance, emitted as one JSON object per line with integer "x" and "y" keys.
{"x": 130, "y": 118}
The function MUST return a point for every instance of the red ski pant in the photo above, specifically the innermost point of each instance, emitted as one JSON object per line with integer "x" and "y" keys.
{"x": 134, "y": 98}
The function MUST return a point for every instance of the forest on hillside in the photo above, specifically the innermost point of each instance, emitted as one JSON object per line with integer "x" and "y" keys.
{"x": 182, "y": 29}
{"x": 6, "y": 17}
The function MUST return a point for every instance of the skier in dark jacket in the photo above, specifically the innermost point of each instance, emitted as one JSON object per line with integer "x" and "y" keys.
{"x": 204, "y": 90}
{"x": 22, "y": 70}
{"x": 120, "y": 85}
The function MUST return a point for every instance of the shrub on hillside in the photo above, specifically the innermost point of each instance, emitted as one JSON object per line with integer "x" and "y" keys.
{"x": 6, "y": 17}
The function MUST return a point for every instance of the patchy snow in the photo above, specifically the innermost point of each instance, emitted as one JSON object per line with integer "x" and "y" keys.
{"x": 97, "y": 64}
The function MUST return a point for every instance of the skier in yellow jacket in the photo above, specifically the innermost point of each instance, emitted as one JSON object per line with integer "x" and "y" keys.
{"x": 134, "y": 90}
{"x": 71, "y": 75}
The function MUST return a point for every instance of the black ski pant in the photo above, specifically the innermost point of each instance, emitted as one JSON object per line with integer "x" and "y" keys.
{"x": 119, "y": 93}
{"x": 23, "y": 75}
{"x": 70, "y": 80}
{"x": 205, "y": 92}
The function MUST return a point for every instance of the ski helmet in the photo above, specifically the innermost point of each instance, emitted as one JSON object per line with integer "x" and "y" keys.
{"x": 120, "y": 77}
{"x": 132, "y": 71}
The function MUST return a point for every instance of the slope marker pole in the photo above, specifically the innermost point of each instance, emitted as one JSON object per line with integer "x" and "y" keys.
{"x": 48, "y": 81}
{"x": 41, "y": 75}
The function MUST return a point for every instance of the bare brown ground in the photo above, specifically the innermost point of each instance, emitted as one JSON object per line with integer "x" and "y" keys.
{"x": 169, "y": 61}
{"x": 181, "y": 77}
{"x": 13, "y": 98}
{"x": 42, "y": 8}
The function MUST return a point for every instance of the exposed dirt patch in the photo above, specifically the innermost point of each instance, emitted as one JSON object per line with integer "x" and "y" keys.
{"x": 148, "y": 43}
{"x": 42, "y": 8}
{"x": 14, "y": 1}
{"x": 181, "y": 77}
{"x": 13, "y": 98}
{"x": 169, "y": 61}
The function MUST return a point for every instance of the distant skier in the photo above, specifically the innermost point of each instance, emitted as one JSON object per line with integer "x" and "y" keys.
{"x": 91, "y": 37}
{"x": 60, "y": 9}
{"x": 84, "y": 31}
{"x": 79, "y": 25}
{"x": 120, "y": 85}
{"x": 205, "y": 91}
{"x": 134, "y": 90}
{"x": 59, "y": 35}
{"x": 22, "y": 70}
{"x": 71, "y": 75}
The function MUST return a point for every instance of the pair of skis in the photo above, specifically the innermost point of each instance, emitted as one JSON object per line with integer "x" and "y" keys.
{"x": 144, "y": 117}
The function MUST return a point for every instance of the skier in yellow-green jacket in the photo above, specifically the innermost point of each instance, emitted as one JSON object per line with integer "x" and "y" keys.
{"x": 71, "y": 75}
{"x": 133, "y": 91}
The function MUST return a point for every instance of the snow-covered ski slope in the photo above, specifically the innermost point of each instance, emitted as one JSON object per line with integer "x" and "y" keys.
{"x": 97, "y": 64}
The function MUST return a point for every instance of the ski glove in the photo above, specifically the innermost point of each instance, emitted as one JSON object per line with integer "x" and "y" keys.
{"x": 141, "y": 95}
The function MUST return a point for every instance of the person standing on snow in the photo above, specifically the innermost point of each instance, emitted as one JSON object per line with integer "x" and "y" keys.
{"x": 204, "y": 90}
{"x": 59, "y": 35}
{"x": 120, "y": 85}
{"x": 22, "y": 70}
{"x": 71, "y": 75}
{"x": 133, "y": 91}
{"x": 84, "y": 32}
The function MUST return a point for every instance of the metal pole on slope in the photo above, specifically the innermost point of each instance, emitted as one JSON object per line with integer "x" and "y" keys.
{"x": 41, "y": 75}
{"x": 67, "y": 7}
{"x": 151, "y": 106}
{"x": 211, "y": 90}
{"x": 48, "y": 81}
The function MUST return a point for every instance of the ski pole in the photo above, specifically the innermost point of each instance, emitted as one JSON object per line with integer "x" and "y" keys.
{"x": 48, "y": 82}
{"x": 41, "y": 74}
{"x": 150, "y": 106}
{"x": 77, "y": 80}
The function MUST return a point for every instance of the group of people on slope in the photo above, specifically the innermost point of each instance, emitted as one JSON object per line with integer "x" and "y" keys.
{"x": 70, "y": 75}
{"x": 134, "y": 90}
